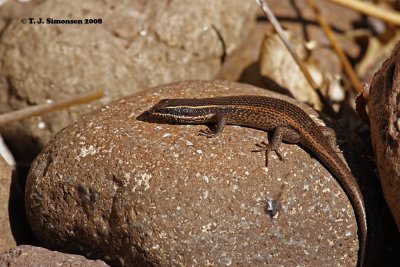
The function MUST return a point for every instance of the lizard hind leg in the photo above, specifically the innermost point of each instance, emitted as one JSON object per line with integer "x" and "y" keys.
{"x": 330, "y": 136}
{"x": 281, "y": 133}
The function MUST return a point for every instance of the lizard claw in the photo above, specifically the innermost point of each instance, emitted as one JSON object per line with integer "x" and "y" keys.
{"x": 207, "y": 133}
{"x": 267, "y": 148}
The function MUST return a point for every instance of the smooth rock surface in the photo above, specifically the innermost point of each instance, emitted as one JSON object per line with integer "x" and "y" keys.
{"x": 384, "y": 115}
{"x": 138, "y": 44}
{"x": 29, "y": 256}
{"x": 136, "y": 193}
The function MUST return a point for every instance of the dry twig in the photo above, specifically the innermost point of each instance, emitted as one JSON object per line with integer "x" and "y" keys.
{"x": 336, "y": 47}
{"x": 278, "y": 29}
{"x": 48, "y": 107}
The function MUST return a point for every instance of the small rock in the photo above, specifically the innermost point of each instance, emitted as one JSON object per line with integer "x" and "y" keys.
{"x": 6, "y": 154}
{"x": 136, "y": 193}
{"x": 7, "y": 240}
{"x": 36, "y": 256}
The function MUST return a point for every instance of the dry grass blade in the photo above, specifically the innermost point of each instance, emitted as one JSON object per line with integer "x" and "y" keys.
{"x": 49, "y": 107}
{"x": 336, "y": 47}
{"x": 370, "y": 9}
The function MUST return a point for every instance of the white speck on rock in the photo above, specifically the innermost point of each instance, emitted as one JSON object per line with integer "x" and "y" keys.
{"x": 143, "y": 33}
{"x": 142, "y": 179}
{"x": 166, "y": 135}
{"x": 234, "y": 188}
{"x": 163, "y": 235}
{"x": 127, "y": 176}
{"x": 198, "y": 151}
{"x": 227, "y": 261}
{"x": 91, "y": 150}
{"x": 205, "y": 178}
{"x": 189, "y": 143}
{"x": 207, "y": 228}
{"x": 41, "y": 125}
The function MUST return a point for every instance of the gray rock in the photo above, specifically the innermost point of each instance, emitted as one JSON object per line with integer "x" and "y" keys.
{"x": 29, "y": 256}
{"x": 136, "y": 193}
{"x": 137, "y": 45}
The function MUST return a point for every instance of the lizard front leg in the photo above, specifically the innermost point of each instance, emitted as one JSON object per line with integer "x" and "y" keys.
{"x": 220, "y": 126}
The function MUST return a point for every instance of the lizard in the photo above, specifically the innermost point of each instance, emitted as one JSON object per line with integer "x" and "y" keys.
{"x": 288, "y": 122}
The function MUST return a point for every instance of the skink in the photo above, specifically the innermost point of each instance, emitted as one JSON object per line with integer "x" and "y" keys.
{"x": 288, "y": 122}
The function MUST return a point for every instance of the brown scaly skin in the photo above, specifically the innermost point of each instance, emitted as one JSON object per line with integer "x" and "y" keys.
{"x": 288, "y": 122}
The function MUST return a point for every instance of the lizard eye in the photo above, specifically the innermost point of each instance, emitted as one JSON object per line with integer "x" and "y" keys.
{"x": 160, "y": 110}
{"x": 163, "y": 101}
{"x": 160, "y": 107}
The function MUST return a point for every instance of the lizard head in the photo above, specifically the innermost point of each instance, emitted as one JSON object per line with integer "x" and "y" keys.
{"x": 180, "y": 110}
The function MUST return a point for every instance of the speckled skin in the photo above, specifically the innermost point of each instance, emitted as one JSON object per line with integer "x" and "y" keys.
{"x": 289, "y": 123}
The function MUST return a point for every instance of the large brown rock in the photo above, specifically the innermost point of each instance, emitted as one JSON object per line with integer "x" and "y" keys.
{"x": 28, "y": 256}
{"x": 138, "y": 44}
{"x": 137, "y": 193}
{"x": 384, "y": 111}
